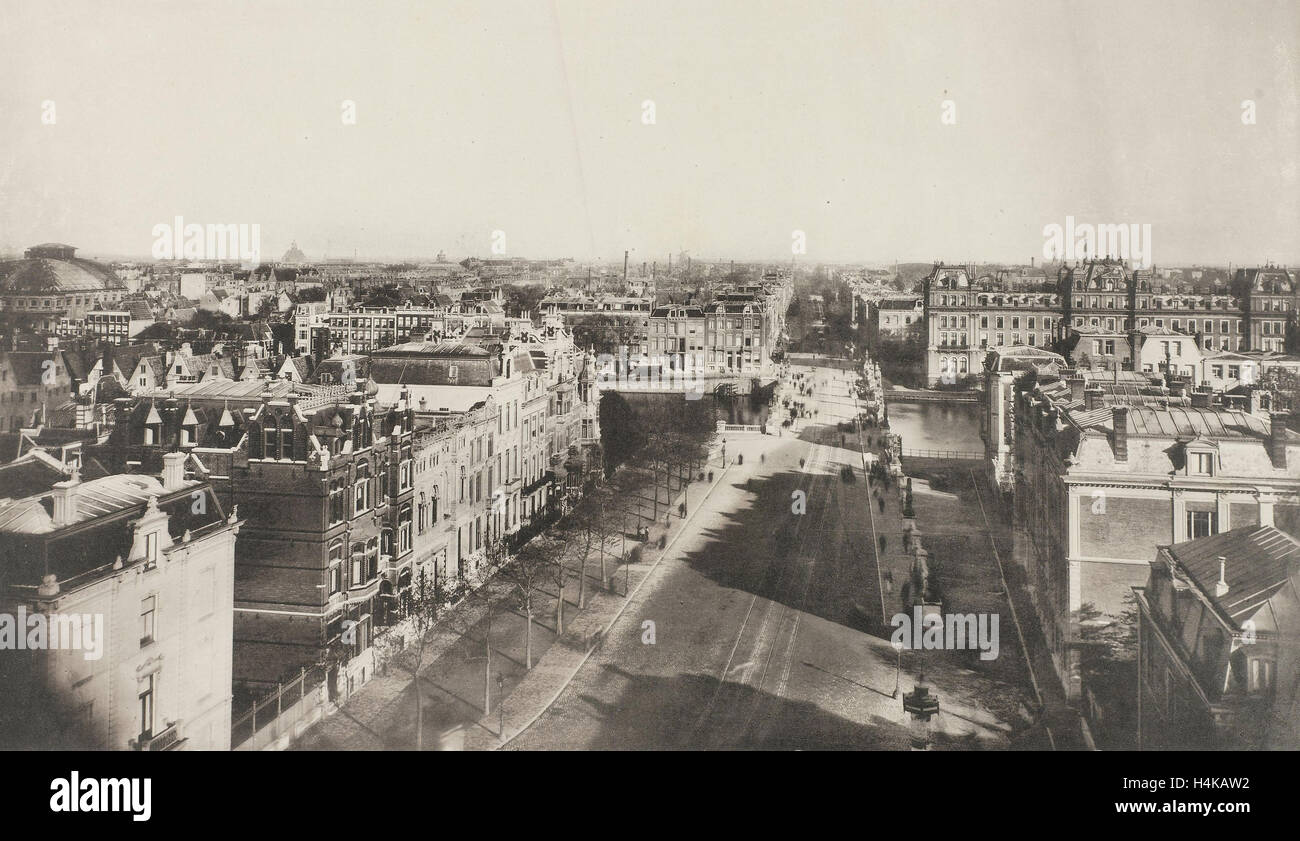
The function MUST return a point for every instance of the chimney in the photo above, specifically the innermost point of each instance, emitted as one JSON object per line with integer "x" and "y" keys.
{"x": 1201, "y": 398}
{"x": 1077, "y": 385}
{"x": 1277, "y": 435}
{"x": 65, "y": 500}
{"x": 1221, "y": 586}
{"x": 173, "y": 472}
{"x": 1092, "y": 398}
{"x": 1119, "y": 419}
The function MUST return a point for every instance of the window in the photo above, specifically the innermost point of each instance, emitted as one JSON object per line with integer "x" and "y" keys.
{"x": 362, "y": 497}
{"x": 148, "y": 611}
{"x": 357, "y": 572}
{"x": 1200, "y": 524}
{"x": 1261, "y": 674}
{"x": 404, "y": 530}
{"x": 151, "y": 549}
{"x": 1203, "y": 463}
{"x": 336, "y": 568}
{"x": 337, "y": 512}
{"x": 147, "y": 707}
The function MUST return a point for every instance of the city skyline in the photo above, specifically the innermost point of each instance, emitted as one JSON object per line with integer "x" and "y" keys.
{"x": 821, "y": 121}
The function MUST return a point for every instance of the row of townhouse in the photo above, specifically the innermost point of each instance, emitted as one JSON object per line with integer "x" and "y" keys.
{"x": 504, "y": 429}
{"x": 967, "y": 315}
{"x": 362, "y": 330}
{"x": 735, "y": 334}
{"x": 343, "y": 498}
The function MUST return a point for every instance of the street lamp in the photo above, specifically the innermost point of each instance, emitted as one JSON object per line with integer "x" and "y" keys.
{"x": 627, "y": 562}
{"x": 501, "y": 707}
{"x": 898, "y": 646}
{"x": 922, "y": 706}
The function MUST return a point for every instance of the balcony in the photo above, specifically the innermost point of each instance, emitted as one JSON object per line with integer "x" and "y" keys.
{"x": 169, "y": 739}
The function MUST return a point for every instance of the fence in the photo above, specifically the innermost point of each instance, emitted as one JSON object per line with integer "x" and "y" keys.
{"x": 961, "y": 455}
{"x": 272, "y": 708}
{"x": 911, "y": 396}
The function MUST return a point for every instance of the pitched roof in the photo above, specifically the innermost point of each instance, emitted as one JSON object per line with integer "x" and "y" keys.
{"x": 33, "y": 473}
{"x": 29, "y": 366}
{"x": 139, "y": 310}
{"x": 1259, "y": 561}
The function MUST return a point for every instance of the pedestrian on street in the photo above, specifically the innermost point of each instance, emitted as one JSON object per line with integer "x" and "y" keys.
{"x": 882, "y": 544}
{"x": 881, "y": 500}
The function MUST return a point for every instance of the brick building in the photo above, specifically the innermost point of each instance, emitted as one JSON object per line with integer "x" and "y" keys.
{"x": 1103, "y": 478}
{"x": 324, "y": 484}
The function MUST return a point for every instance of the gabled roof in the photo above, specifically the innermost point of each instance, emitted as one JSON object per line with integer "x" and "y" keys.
{"x": 29, "y": 366}
{"x": 139, "y": 310}
{"x": 33, "y": 473}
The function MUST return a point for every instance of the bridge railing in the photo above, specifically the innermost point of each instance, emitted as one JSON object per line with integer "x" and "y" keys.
{"x": 962, "y": 455}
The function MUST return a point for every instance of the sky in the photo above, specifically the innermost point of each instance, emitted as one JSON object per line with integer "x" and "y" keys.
{"x": 527, "y": 125}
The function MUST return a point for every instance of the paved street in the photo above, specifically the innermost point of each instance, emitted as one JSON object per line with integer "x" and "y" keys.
{"x": 769, "y": 626}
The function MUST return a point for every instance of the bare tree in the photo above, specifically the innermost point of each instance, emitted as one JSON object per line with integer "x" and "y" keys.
{"x": 581, "y": 523}
{"x": 527, "y": 570}
{"x": 495, "y": 557}
{"x": 425, "y": 602}
{"x": 558, "y": 572}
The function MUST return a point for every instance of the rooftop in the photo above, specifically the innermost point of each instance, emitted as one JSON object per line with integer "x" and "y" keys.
{"x": 1260, "y": 560}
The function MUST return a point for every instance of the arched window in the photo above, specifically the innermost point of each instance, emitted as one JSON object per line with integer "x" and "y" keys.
{"x": 362, "y": 487}
{"x": 357, "y": 565}
{"x": 336, "y": 567}
{"x": 404, "y": 529}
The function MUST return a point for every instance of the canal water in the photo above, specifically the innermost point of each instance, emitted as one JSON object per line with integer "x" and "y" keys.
{"x": 937, "y": 426}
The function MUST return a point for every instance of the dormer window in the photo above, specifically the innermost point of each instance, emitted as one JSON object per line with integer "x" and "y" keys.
{"x": 1200, "y": 463}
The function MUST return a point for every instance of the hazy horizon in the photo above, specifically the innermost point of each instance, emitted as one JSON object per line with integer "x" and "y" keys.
{"x": 527, "y": 118}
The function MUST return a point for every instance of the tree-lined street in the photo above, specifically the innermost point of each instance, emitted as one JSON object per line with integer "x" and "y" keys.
{"x": 769, "y": 618}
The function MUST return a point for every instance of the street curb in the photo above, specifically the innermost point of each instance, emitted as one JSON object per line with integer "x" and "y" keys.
{"x": 627, "y": 600}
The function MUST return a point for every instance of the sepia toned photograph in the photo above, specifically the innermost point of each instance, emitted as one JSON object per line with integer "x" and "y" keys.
{"x": 591, "y": 375}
